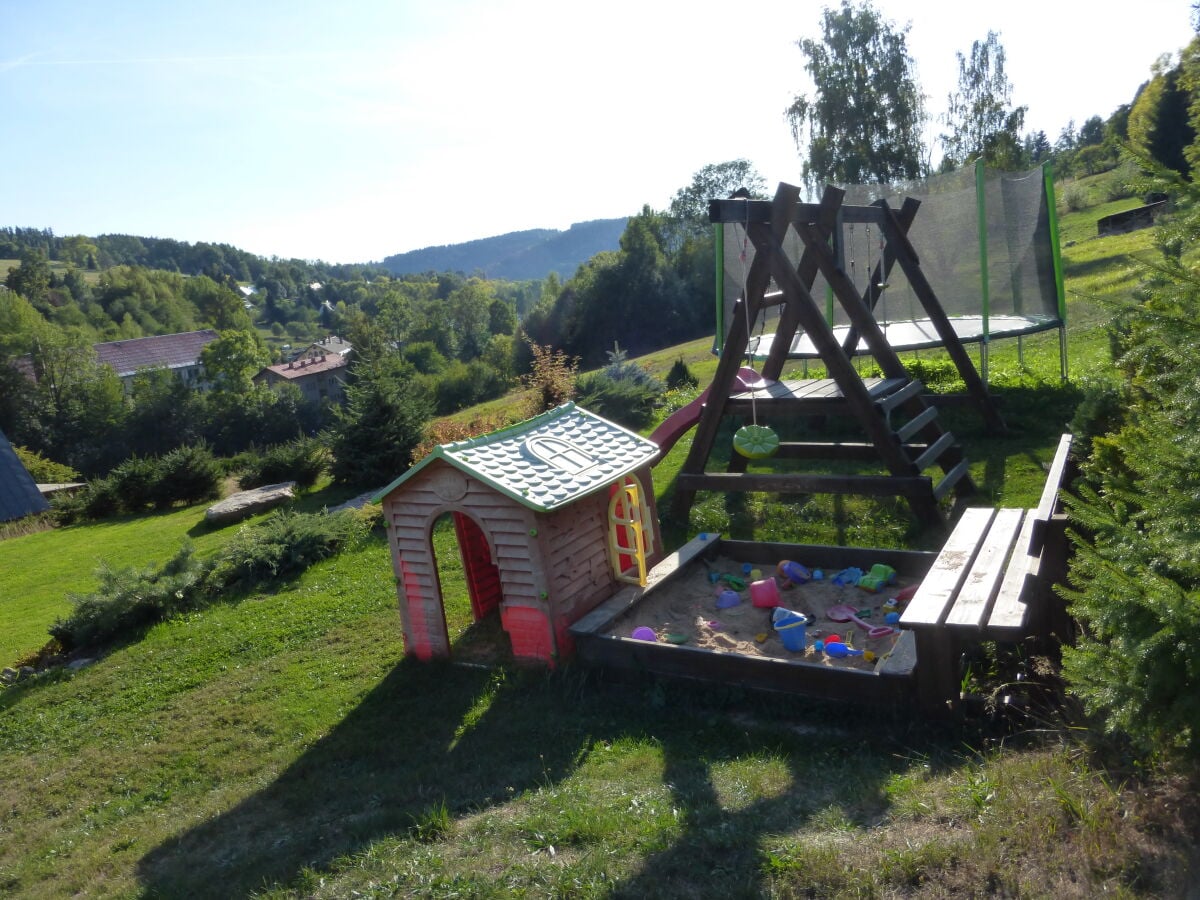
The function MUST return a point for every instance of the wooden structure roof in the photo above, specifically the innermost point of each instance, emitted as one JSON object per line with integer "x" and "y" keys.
{"x": 19, "y": 494}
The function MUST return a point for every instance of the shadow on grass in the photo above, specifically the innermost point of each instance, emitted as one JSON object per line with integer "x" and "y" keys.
{"x": 404, "y": 750}
{"x": 436, "y": 736}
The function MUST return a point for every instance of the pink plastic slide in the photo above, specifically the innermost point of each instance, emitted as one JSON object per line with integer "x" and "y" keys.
{"x": 677, "y": 424}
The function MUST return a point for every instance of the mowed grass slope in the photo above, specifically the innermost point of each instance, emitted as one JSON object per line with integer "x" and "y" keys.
{"x": 281, "y": 745}
{"x": 39, "y": 571}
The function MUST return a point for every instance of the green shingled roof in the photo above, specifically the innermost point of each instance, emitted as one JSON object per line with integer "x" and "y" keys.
{"x": 547, "y": 461}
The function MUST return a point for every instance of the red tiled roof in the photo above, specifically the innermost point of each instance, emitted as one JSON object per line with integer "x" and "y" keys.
{"x": 302, "y": 367}
{"x": 171, "y": 351}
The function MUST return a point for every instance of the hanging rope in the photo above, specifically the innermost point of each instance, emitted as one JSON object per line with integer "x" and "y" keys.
{"x": 752, "y": 441}
{"x": 873, "y": 287}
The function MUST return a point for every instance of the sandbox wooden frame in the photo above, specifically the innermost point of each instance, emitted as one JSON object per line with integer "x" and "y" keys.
{"x": 992, "y": 580}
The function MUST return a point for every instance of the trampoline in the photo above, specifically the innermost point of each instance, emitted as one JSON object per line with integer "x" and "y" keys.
{"x": 917, "y": 334}
{"x": 986, "y": 241}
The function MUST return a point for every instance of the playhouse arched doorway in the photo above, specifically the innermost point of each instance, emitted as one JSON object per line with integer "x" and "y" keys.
{"x": 469, "y": 584}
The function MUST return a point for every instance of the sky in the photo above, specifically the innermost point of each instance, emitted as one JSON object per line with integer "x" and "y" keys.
{"x": 349, "y": 131}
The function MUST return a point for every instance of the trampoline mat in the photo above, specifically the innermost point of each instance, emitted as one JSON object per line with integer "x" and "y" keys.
{"x": 918, "y": 334}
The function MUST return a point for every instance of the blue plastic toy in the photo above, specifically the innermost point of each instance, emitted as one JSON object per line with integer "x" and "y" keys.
{"x": 838, "y": 650}
{"x": 793, "y": 572}
{"x": 848, "y": 576}
{"x": 727, "y": 599}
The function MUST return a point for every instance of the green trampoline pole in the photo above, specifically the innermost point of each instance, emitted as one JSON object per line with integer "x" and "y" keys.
{"x": 981, "y": 211}
{"x": 719, "y": 255}
{"x": 1056, "y": 255}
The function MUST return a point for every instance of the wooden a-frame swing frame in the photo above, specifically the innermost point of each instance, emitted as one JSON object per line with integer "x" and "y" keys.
{"x": 906, "y": 450}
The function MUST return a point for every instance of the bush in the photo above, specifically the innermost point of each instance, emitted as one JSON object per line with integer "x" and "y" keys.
{"x": 1075, "y": 197}
{"x": 373, "y": 437}
{"x": 622, "y": 391}
{"x": 129, "y": 600}
{"x": 550, "y": 380}
{"x": 101, "y": 499}
{"x": 465, "y": 384}
{"x": 1100, "y": 412}
{"x": 1134, "y": 578}
{"x": 302, "y": 461}
{"x": 449, "y": 431}
{"x": 1120, "y": 184}
{"x": 681, "y": 376}
{"x": 283, "y": 545}
{"x": 45, "y": 471}
{"x": 187, "y": 475}
{"x": 624, "y": 402}
{"x": 136, "y": 482}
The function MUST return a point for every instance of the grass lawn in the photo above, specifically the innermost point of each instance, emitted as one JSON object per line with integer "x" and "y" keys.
{"x": 280, "y": 745}
{"x": 38, "y": 571}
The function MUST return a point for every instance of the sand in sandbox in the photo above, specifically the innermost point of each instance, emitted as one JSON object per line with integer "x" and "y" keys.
{"x": 684, "y": 611}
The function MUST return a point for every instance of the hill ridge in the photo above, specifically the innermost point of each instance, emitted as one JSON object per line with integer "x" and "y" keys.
{"x": 517, "y": 255}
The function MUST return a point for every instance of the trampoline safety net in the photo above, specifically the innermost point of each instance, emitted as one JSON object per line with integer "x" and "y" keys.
{"x": 986, "y": 243}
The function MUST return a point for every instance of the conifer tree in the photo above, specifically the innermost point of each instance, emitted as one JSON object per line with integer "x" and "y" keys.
{"x": 1135, "y": 575}
{"x": 383, "y": 421}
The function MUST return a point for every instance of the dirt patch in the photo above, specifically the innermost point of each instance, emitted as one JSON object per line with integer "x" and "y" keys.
{"x": 688, "y": 610}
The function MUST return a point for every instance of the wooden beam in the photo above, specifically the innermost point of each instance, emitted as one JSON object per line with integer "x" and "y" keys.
{"x": 883, "y": 269}
{"x": 806, "y": 272}
{"x": 797, "y": 483}
{"x": 906, "y": 256}
{"x": 1048, "y": 502}
{"x": 758, "y": 212}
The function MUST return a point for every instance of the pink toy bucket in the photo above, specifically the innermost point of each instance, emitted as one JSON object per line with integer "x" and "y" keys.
{"x": 765, "y": 593}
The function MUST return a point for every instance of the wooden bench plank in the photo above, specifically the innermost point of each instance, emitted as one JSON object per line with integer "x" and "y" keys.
{"x": 932, "y": 601}
{"x": 1048, "y": 503}
{"x": 1011, "y": 613}
{"x": 974, "y": 600}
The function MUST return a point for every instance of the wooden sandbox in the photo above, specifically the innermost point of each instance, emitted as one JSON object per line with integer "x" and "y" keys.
{"x": 680, "y": 602}
{"x": 992, "y": 580}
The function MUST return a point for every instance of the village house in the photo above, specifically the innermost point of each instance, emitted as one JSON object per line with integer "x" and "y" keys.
{"x": 319, "y": 376}
{"x": 327, "y": 346}
{"x": 178, "y": 353}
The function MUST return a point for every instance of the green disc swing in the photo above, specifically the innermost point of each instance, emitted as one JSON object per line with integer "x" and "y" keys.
{"x": 752, "y": 441}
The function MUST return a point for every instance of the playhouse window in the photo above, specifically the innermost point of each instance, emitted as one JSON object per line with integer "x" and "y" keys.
{"x": 560, "y": 454}
{"x": 630, "y": 531}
